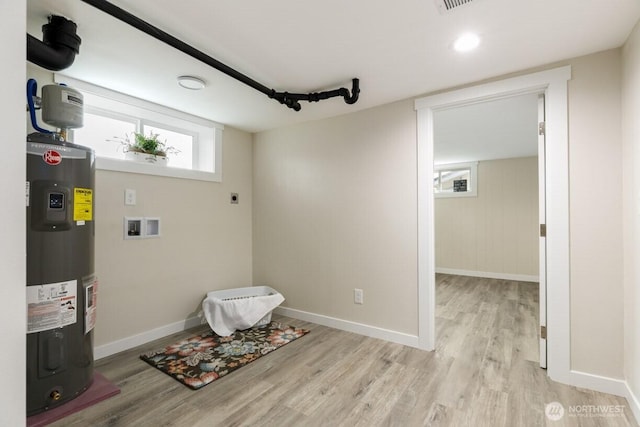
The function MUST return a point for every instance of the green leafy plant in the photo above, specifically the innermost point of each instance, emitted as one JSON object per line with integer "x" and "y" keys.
{"x": 147, "y": 144}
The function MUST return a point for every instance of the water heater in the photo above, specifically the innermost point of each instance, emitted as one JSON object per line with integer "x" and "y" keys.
{"x": 61, "y": 284}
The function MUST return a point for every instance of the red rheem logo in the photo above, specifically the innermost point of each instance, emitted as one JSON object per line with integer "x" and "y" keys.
{"x": 52, "y": 157}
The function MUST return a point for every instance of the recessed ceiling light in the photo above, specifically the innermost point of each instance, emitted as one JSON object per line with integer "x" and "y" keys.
{"x": 466, "y": 42}
{"x": 190, "y": 82}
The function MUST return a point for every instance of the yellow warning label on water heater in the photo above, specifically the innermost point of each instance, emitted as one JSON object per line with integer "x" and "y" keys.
{"x": 82, "y": 204}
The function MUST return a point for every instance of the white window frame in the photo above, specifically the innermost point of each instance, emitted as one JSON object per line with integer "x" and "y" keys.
{"x": 472, "y": 187}
{"x": 195, "y": 158}
{"x": 106, "y": 102}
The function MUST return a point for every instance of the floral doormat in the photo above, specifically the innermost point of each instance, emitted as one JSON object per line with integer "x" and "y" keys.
{"x": 202, "y": 359}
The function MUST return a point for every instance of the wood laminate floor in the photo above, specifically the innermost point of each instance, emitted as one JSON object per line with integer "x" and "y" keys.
{"x": 484, "y": 372}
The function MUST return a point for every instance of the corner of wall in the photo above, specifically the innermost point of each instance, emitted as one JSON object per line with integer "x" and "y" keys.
{"x": 12, "y": 244}
{"x": 631, "y": 213}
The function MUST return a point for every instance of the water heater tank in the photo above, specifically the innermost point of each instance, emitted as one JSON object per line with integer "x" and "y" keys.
{"x": 61, "y": 285}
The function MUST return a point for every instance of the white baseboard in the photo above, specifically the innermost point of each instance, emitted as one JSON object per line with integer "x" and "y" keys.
{"x": 489, "y": 275}
{"x": 604, "y": 385}
{"x": 595, "y": 382}
{"x": 608, "y": 385}
{"x": 135, "y": 340}
{"x": 349, "y": 326}
{"x": 127, "y": 343}
{"x": 634, "y": 403}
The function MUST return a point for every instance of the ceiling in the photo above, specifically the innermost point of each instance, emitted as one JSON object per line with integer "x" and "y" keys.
{"x": 398, "y": 50}
{"x": 499, "y": 129}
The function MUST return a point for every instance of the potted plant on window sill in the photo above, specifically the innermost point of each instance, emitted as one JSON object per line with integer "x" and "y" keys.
{"x": 146, "y": 148}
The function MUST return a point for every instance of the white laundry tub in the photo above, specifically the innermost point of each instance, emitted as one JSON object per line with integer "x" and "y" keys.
{"x": 234, "y": 309}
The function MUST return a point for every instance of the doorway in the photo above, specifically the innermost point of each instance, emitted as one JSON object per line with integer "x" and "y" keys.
{"x": 553, "y": 83}
{"x": 489, "y": 202}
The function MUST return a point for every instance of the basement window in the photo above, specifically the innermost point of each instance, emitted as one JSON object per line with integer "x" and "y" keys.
{"x": 456, "y": 180}
{"x": 110, "y": 116}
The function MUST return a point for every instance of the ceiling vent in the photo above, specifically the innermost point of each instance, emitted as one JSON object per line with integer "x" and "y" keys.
{"x": 445, "y": 6}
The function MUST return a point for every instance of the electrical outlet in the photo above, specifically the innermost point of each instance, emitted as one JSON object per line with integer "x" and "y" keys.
{"x": 235, "y": 198}
{"x": 358, "y": 296}
{"x": 129, "y": 197}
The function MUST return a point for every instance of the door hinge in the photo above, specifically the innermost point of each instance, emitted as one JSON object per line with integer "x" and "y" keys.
{"x": 543, "y": 332}
{"x": 541, "y": 128}
{"x": 543, "y": 230}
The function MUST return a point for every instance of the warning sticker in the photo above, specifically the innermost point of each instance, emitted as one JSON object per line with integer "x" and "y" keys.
{"x": 51, "y": 306}
{"x": 82, "y": 204}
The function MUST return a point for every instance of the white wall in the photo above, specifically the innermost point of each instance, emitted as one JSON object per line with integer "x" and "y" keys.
{"x": 595, "y": 163}
{"x": 497, "y": 231}
{"x": 12, "y": 244}
{"x": 631, "y": 191}
{"x": 205, "y": 244}
{"x": 334, "y": 210}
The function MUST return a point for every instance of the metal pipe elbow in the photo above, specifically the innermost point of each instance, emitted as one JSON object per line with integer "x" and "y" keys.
{"x": 355, "y": 92}
{"x": 59, "y": 47}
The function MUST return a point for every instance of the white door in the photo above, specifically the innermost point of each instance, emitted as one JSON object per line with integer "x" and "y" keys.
{"x": 543, "y": 241}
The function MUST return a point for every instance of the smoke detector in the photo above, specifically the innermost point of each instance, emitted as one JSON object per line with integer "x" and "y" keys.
{"x": 191, "y": 82}
{"x": 445, "y": 6}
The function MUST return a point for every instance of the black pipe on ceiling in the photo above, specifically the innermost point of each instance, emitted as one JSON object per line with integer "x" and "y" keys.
{"x": 291, "y": 100}
{"x": 59, "y": 47}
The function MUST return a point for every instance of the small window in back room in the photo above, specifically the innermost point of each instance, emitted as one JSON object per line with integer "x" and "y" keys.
{"x": 456, "y": 180}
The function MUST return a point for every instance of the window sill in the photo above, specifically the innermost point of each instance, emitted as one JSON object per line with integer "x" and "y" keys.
{"x": 103, "y": 163}
{"x": 452, "y": 195}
